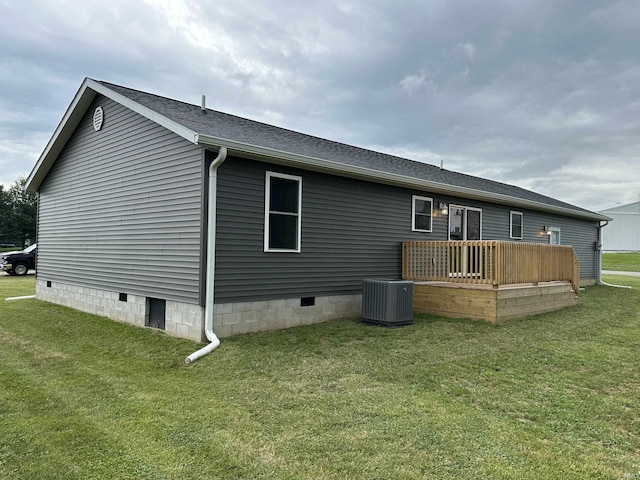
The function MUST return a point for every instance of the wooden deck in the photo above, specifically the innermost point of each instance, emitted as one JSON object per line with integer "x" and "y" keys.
{"x": 491, "y": 303}
{"x": 490, "y": 280}
{"x": 490, "y": 262}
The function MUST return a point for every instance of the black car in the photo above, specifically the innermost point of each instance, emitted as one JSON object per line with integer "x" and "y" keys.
{"x": 19, "y": 263}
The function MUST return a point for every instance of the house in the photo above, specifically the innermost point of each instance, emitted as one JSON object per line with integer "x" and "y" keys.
{"x": 623, "y": 233}
{"x": 161, "y": 213}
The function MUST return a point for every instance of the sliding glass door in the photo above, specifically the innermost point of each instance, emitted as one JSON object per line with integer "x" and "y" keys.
{"x": 465, "y": 223}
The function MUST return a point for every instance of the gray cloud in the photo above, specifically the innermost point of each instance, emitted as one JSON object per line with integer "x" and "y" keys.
{"x": 541, "y": 94}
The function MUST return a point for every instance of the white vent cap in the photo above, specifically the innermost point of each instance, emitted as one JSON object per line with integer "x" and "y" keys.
{"x": 98, "y": 117}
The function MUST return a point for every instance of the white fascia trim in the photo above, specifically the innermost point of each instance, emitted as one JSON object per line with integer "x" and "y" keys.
{"x": 624, "y": 213}
{"x": 74, "y": 113}
{"x": 152, "y": 115}
{"x": 63, "y": 131}
{"x": 328, "y": 166}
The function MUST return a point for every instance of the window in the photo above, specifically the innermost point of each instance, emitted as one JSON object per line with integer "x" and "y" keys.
{"x": 282, "y": 223}
{"x": 554, "y": 235}
{"x": 516, "y": 225}
{"x": 421, "y": 214}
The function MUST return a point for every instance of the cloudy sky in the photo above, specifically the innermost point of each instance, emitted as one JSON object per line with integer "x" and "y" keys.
{"x": 544, "y": 94}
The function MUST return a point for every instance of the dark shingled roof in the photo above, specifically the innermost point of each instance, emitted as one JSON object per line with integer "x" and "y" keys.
{"x": 238, "y": 129}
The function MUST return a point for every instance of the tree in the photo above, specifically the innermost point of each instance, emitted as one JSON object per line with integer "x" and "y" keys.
{"x": 4, "y": 207}
{"x": 5, "y": 214}
{"x": 18, "y": 213}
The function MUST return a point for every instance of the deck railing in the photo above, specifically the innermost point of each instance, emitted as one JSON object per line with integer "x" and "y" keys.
{"x": 489, "y": 262}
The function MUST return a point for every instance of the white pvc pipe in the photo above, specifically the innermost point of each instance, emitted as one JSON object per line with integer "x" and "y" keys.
{"x": 611, "y": 285}
{"x": 211, "y": 260}
{"x": 24, "y": 297}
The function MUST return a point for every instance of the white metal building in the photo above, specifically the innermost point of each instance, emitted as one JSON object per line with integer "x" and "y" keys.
{"x": 623, "y": 233}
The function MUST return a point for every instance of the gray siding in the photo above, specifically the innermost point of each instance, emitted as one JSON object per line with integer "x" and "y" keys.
{"x": 121, "y": 209}
{"x": 351, "y": 230}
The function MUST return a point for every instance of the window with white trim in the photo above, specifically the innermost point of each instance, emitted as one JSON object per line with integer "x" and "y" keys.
{"x": 421, "y": 214}
{"x": 282, "y": 212}
{"x": 516, "y": 225}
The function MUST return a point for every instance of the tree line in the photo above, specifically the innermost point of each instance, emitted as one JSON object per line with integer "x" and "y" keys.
{"x": 18, "y": 214}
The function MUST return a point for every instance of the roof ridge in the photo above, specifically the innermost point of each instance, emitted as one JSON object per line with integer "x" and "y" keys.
{"x": 308, "y": 144}
{"x": 285, "y": 129}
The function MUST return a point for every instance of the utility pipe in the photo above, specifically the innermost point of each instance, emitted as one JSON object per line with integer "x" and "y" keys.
{"x": 211, "y": 260}
{"x": 24, "y": 297}
{"x": 600, "y": 281}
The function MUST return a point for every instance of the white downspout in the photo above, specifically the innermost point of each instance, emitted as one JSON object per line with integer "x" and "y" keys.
{"x": 600, "y": 282}
{"x": 24, "y": 297}
{"x": 211, "y": 260}
{"x": 599, "y": 252}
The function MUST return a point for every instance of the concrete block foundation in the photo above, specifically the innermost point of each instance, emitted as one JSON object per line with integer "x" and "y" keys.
{"x": 181, "y": 319}
{"x": 187, "y": 320}
{"x": 246, "y": 317}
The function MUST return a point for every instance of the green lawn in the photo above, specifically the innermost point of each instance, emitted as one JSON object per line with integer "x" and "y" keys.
{"x": 554, "y": 396}
{"x": 622, "y": 262}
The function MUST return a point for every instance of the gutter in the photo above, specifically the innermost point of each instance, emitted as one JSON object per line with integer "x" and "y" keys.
{"x": 90, "y": 88}
{"x": 210, "y": 264}
{"x": 329, "y": 166}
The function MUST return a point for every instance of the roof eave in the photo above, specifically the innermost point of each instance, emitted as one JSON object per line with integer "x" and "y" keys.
{"x": 70, "y": 120}
{"x": 72, "y": 117}
{"x": 336, "y": 168}
{"x": 89, "y": 88}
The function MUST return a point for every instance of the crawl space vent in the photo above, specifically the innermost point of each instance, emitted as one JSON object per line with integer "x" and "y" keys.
{"x": 155, "y": 314}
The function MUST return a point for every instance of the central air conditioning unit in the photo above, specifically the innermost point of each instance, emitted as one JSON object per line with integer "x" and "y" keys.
{"x": 387, "y": 302}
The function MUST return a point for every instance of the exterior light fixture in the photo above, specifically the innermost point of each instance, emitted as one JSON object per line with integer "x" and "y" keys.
{"x": 546, "y": 230}
{"x": 443, "y": 208}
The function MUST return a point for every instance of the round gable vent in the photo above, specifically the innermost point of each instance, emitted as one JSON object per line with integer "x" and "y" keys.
{"x": 98, "y": 117}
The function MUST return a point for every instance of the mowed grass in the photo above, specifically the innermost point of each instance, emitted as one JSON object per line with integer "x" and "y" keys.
{"x": 553, "y": 396}
{"x": 622, "y": 262}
